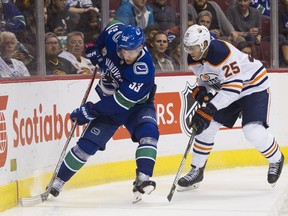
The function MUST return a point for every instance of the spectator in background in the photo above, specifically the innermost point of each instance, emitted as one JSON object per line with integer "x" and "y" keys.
{"x": 80, "y": 3}
{"x": 249, "y": 48}
{"x": 220, "y": 24}
{"x": 9, "y": 66}
{"x": 59, "y": 18}
{"x": 283, "y": 54}
{"x": 11, "y": 18}
{"x": 46, "y": 3}
{"x": 205, "y": 18}
{"x": 55, "y": 65}
{"x": 81, "y": 6}
{"x": 190, "y": 21}
{"x": 263, "y": 6}
{"x": 175, "y": 53}
{"x": 165, "y": 17}
{"x": 283, "y": 18}
{"x": 27, "y": 39}
{"x": 74, "y": 52}
{"x": 149, "y": 32}
{"x": 246, "y": 20}
{"x": 135, "y": 13}
{"x": 283, "y": 31}
{"x": 163, "y": 63}
{"x": 90, "y": 26}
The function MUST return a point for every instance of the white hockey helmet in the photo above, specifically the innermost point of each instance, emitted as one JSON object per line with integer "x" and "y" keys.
{"x": 196, "y": 35}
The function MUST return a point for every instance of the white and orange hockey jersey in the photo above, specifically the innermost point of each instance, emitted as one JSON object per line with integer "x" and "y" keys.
{"x": 230, "y": 72}
{"x": 84, "y": 66}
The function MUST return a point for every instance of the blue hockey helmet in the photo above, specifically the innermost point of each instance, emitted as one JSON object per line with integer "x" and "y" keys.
{"x": 131, "y": 38}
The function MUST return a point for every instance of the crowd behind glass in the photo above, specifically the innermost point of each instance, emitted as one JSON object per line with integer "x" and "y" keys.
{"x": 67, "y": 25}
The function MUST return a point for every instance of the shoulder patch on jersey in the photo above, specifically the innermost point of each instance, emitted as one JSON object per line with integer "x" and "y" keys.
{"x": 140, "y": 68}
{"x": 218, "y": 52}
{"x": 116, "y": 36}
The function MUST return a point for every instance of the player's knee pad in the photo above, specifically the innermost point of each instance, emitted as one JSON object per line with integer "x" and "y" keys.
{"x": 208, "y": 135}
{"x": 256, "y": 134}
{"x": 87, "y": 146}
{"x": 80, "y": 153}
{"x": 147, "y": 129}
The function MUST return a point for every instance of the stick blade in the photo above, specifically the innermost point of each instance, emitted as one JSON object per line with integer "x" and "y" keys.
{"x": 34, "y": 200}
{"x": 170, "y": 195}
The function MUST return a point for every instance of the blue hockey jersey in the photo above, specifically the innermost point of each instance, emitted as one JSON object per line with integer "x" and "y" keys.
{"x": 122, "y": 86}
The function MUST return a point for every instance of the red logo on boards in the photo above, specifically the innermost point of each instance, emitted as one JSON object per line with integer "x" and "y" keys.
{"x": 3, "y": 131}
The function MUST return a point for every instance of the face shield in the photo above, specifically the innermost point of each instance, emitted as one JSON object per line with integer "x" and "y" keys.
{"x": 195, "y": 51}
{"x": 192, "y": 50}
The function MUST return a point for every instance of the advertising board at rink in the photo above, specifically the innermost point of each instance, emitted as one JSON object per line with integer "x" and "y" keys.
{"x": 40, "y": 127}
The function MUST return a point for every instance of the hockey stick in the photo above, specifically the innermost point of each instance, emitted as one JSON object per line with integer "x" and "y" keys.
{"x": 178, "y": 174}
{"x": 35, "y": 200}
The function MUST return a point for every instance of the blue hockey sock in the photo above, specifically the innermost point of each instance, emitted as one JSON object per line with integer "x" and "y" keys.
{"x": 71, "y": 164}
{"x": 146, "y": 155}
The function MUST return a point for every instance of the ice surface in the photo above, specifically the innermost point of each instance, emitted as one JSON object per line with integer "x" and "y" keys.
{"x": 233, "y": 192}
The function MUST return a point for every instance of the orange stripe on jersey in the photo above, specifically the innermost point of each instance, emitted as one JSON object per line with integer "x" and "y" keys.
{"x": 259, "y": 77}
{"x": 202, "y": 148}
{"x": 264, "y": 73}
{"x": 232, "y": 85}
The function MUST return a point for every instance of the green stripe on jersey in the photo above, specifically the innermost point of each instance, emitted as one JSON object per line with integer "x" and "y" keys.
{"x": 72, "y": 162}
{"x": 113, "y": 22}
{"x": 126, "y": 103}
{"x": 147, "y": 152}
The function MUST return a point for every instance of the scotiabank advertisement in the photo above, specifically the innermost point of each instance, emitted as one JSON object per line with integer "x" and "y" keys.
{"x": 35, "y": 124}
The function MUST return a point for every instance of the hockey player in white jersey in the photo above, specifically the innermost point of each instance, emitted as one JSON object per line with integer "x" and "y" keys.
{"x": 241, "y": 84}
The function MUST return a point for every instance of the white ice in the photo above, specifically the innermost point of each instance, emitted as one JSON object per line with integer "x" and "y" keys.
{"x": 232, "y": 192}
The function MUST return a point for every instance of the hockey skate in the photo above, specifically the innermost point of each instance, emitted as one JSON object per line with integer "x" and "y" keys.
{"x": 192, "y": 179}
{"x": 274, "y": 171}
{"x": 56, "y": 187}
{"x": 142, "y": 185}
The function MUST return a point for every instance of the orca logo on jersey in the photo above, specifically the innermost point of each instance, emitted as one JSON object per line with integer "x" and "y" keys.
{"x": 95, "y": 131}
{"x": 189, "y": 107}
{"x": 212, "y": 80}
{"x": 140, "y": 68}
{"x": 3, "y": 132}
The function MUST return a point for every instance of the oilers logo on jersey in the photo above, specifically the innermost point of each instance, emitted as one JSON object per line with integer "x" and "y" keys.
{"x": 212, "y": 80}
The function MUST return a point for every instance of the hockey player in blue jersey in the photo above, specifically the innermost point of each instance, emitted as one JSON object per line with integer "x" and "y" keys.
{"x": 242, "y": 85}
{"x": 126, "y": 90}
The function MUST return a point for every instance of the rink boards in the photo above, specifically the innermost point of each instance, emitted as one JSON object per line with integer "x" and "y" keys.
{"x": 34, "y": 125}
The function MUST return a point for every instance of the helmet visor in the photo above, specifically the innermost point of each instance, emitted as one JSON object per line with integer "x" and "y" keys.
{"x": 192, "y": 49}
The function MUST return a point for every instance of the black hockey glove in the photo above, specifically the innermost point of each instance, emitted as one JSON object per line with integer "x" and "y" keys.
{"x": 202, "y": 118}
{"x": 200, "y": 94}
{"x": 84, "y": 114}
{"x": 94, "y": 54}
